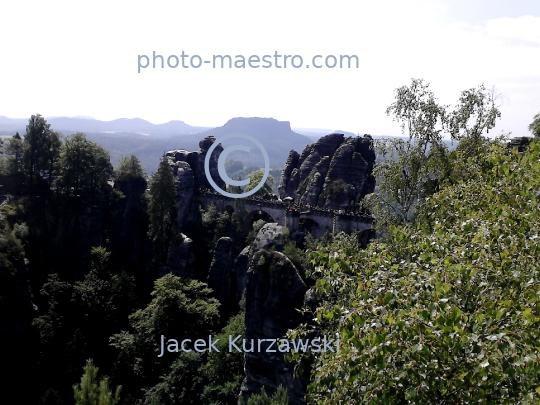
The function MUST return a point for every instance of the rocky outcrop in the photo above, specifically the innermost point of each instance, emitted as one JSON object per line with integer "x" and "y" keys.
{"x": 221, "y": 277}
{"x": 520, "y": 143}
{"x": 273, "y": 291}
{"x": 128, "y": 226}
{"x": 180, "y": 259}
{"x": 334, "y": 172}
{"x": 189, "y": 174}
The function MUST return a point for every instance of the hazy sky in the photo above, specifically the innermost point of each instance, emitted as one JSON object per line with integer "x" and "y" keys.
{"x": 80, "y": 58}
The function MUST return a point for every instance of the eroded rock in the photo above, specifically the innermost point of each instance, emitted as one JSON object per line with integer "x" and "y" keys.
{"x": 335, "y": 172}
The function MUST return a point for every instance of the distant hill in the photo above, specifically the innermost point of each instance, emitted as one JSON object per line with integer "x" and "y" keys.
{"x": 147, "y": 141}
{"x": 277, "y": 137}
{"x": 68, "y": 125}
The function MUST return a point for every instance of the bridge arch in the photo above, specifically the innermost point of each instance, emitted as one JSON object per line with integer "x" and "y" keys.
{"x": 254, "y": 216}
{"x": 309, "y": 225}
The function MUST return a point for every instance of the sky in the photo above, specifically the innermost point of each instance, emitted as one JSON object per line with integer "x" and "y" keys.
{"x": 75, "y": 58}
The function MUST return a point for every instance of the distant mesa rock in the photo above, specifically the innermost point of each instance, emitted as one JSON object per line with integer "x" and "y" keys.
{"x": 335, "y": 172}
{"x": 277, "y": 137}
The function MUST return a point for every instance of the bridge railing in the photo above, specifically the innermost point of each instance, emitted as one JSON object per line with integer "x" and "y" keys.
{"x": 291, "y": 207}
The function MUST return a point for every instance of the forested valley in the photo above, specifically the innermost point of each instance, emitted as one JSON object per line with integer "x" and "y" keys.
{"x": 440, "y": 308}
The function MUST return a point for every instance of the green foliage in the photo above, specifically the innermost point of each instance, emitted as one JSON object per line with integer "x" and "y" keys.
{"x": 336, "y": 187}
{"x": 130, "y": 167}
{"x": 40, "y": 153}
{"x": 182, "y": 385}
{"x": 85, "y": 168}
{"x": 255, "y": 228}
{"x": 445, "y": 310}
{"x": 279, "y": 398}
{"x": 179, "y": 307}
{"x": 416, "y": 109}
{"x": 412, "y": 170}
{"x": 14, "y": 149}
{"x": 534, "y": 126}
{"x": 201, "y": 378}
{"x": 92, "y": 392}
{"x": 11, "y": 268}
{"x": 224, "y": 371}
{"x": 162, "y": 211}
{"x": 475, "y": 113}
{"x": 255, "y": 178}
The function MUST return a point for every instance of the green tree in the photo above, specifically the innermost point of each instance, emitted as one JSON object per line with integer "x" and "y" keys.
{"x": 279, "y": 398}
{"x": 224, "y": 371}
{"x": 14, "y": 148}
{"x": 534, "y": 126}
{"x": 162, "y": 211}
{"x": 409, "y": 171}
{"x": 41, "y": 148}
{"x": 130, "y": 166}
{"x": 255, "y": 178}
{"x": 90, "y": 391}
{"x": 85, "y": 168}
{"x": 475, "y": 113}
{"x": 179, "y": 307}
{"x": 406, "y": 166}
{"x": 444, "y": 310}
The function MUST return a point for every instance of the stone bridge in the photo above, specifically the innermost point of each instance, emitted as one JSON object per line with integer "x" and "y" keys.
{"x": 317, "y": 221}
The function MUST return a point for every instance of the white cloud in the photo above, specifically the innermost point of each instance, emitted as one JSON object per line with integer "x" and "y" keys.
{"x": 523, "y": 30}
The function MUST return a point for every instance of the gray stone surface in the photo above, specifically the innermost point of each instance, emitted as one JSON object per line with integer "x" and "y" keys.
{"x": 189, "y": 174}
{"x": 180, "y": 259}
{"x": 334, "y": 172}
{"x": 274, "y": 291}
{"x": 221, "y": 277}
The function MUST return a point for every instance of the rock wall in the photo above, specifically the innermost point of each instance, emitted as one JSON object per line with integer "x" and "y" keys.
{"x": 335, "y": 172}
{"x": 189, "y": 175}
{"x": 273, "y": 290}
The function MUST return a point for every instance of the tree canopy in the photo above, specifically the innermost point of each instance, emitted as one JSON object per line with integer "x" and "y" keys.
{"x": 130, "y": 166}
{"x": 255, "y": 179}
{"x": 162, "y": 210}
{"x": 443, "y": 310}
{"x": 85, "y": 167}
{"x": 534, "y": 126}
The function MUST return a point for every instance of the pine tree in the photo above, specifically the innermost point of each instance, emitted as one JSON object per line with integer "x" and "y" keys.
{"x": 92, "y": 392}
{"x": 162, "y": 211}
{"x": 130, "y": 167}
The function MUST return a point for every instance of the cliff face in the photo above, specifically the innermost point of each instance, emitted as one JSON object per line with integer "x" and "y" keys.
{"x": 189, "y": 175}
{"x": 274, "y": 290}
{"x": 334, "y": 172}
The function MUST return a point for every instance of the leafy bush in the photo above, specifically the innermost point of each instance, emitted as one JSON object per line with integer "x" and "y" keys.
{"x": 443, "y": 311}
{"x": 279, "y": 398}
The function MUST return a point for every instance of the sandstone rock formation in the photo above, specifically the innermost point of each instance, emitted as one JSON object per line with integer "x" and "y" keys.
{"x": 221, "y": 277}
{"x": 274, "y": 290}
{"x": 180, "y": 259}
{"x": 189, "y": 175}
{"x": 334, "y": 172}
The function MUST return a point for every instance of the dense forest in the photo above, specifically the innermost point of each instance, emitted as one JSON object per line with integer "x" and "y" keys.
{"x": 440, "y": 308}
